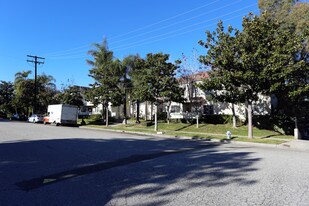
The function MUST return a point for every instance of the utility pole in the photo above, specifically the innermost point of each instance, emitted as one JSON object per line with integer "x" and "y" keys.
{"x": 36, "y": 62}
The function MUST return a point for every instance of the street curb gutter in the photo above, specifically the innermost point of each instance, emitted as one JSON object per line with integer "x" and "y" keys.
{"x": 283, "y": 146}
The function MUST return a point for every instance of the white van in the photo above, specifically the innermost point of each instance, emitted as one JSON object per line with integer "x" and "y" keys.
{"x": 61, "y": 114}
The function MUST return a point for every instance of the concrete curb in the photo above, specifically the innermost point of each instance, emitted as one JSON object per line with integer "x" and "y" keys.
{"x": 291, "y": 145}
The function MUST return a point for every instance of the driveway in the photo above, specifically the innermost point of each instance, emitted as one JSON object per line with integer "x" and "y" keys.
{"x": 47, "y": 165}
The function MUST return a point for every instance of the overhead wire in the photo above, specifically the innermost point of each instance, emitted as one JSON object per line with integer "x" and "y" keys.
{"x": 138, "y": 29}
{"x": 178, "y": 34}
{"x": 173, "y": 24}
{"x": 168, "y": 19}
{"x": 153, "y": 38}
{"x": 146, "y": 42}
{"x": 183, "y": 28}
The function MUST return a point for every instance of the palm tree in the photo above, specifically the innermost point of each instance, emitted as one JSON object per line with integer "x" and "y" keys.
{"x": 21, "y": 76}
{"x": 106, "y": 72}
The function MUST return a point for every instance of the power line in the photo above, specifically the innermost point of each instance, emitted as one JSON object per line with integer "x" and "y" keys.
{"x": 170, "y": 18}
{"x": 178, "y": 34}
{"x": 184, "y": 28}
{"x": 77, "y": 54}
{"x": 149, "y": 41}
{"x": 36, "y": 62}
{"x": 141, "y": 28}
{"x": 175, "y": 23}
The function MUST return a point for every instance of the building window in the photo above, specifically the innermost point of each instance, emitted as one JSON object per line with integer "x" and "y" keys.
{"x": 208, "y": 109}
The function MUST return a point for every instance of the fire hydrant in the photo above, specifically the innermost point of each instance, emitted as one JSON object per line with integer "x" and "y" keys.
{"x": 228, "y": 135}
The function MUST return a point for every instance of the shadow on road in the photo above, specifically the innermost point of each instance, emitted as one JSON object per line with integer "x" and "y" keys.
{"x": 97, "y": 171}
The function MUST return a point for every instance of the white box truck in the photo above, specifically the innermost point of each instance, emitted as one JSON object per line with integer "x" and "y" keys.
{"x": 61, "y": 114}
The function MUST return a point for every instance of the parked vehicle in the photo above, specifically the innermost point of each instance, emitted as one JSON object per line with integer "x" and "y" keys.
{"x": 61, "y": 114}
{"x": 35, "y": 118}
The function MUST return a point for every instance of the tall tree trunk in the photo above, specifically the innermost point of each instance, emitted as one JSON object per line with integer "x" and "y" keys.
{"x": 106, "y": 118}
{"x": 137, "y": 112}
{"x": 156, "y": 118}
{"x": 146, "y": 110}
{"x": 197, "y": 120}
{"x": 250, "y": 129}
{"x": 168, "y": 112}
{"x": 124, "y": 109}
{"x": 234, "y": 116}
{"x": 151, "y": 111}
{"x": 131, "y": 111}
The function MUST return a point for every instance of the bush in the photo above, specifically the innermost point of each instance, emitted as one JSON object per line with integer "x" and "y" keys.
{"x": 281, "y": 124}
{"x": 113, "y": 119}
{"x": 263, "y": 122}
{"x": 217, "y": 119}
{"x": 162, "y": 116}
{"x": 147, "y": 123}
{"x": 95, "y": 117}
{"x": 190, "y": 121}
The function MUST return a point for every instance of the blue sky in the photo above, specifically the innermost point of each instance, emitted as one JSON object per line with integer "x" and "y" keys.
{"x": 63, "y": 31}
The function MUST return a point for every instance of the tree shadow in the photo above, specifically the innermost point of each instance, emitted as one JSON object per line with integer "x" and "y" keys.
{"x": 184, "y": 127}
{"x": 269, "y": 136}
{"x": 112, "y": 171}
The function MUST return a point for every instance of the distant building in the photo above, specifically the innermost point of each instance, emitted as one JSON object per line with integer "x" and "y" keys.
{"x": 197, "y": 102}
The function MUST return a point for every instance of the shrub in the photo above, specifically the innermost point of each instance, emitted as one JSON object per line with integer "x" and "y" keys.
{"x": 217, "y": 119}
{"x": 162, "y": 115}
{"x": 147, "y": 123}
{"x": 95, "y": 117}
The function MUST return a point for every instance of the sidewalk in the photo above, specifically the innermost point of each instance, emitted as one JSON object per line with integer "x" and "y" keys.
{"x": 301, "y": 145}
{"x": 298, "y": 145}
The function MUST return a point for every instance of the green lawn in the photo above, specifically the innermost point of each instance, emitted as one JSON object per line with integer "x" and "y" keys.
{"x": 211, "y": 131}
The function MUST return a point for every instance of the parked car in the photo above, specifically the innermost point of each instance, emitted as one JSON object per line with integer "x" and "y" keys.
{"x": 35, "y": 118}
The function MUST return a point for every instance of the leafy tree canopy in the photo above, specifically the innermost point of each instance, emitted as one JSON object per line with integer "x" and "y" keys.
{"x": 6, "y": 96}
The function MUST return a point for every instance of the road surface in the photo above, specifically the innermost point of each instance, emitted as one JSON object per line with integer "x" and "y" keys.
{"x": 48, "y": 165}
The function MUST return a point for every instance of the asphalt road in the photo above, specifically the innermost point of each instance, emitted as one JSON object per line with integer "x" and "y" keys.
{"x": 48, "y": 165}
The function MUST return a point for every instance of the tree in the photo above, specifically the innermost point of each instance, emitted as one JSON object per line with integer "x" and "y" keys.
{"x": 46, "y": 91}
{"x": 294, "y": 19}
{"x": 156, "y": 80}
{"x": 293, "y": 15}
{"x": 106, "y": 72}
{"x": 71, "y": 95}
{"x": 265, "y": 60}
{"x": 130, "y": 78}
{"x": 139, "y": 78}
{"x": 190, "y": 68}
{"x": 6, "y": 96}
{"x": 278, "y": 9}
{"x": 173, "y": 93}
{"x": 24, "y": 92}
{"x": 222, "y": 57}
{"x": 22, "y": 76}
